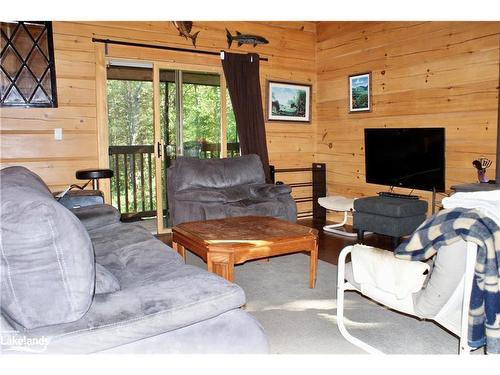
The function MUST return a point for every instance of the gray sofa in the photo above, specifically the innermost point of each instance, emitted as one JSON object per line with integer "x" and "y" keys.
{"x": 202, "y": 189}
{"x": 84, "y": 282}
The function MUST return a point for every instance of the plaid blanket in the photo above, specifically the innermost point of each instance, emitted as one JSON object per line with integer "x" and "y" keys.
{"x": 447, "y": 227}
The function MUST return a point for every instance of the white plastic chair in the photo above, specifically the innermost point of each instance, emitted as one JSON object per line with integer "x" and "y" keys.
{"x": 453, "y": 315}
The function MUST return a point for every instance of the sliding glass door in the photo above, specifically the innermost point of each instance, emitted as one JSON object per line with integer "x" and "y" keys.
{"x": 156, "y": 113}
{"x": 131, "y": 139}
{"x": 190, "y": 120}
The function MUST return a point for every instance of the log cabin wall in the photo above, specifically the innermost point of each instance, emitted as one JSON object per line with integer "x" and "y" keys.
{"x": 27, "y": 135}
{"x": 424, "y": 74}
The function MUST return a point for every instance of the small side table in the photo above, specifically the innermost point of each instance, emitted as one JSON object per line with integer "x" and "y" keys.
{"x": 339, "y": 204}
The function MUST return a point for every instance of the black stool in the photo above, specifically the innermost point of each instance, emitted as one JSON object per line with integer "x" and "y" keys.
{"x": 93, "y": 175}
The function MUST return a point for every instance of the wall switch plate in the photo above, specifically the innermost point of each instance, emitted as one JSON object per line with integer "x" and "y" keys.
{"x": 58, "y": 134}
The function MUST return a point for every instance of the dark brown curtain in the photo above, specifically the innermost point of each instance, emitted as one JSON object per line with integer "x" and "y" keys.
{"x": 243, "y": 83}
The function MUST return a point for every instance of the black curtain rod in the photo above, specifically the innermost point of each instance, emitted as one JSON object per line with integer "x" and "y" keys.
{"x": 177, "y": 49}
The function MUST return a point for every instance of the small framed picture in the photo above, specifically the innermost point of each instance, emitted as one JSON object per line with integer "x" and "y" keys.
{"x": 360, "y": 92}
{"x": 288, "y": 102}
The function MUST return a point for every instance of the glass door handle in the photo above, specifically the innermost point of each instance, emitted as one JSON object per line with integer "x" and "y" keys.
{"x": 159, "y": 149}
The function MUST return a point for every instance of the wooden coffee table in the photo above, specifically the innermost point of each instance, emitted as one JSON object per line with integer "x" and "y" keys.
{"x": 222, "y": 243}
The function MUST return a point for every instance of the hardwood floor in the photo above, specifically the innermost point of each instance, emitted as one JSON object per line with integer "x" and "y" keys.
{"x": 330, "y": 245}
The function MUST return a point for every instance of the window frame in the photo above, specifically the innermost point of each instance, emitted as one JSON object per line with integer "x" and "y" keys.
{"x": 52, "y": 98}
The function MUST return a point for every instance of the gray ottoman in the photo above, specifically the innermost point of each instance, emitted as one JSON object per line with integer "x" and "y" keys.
{"x": 395, "y": 217}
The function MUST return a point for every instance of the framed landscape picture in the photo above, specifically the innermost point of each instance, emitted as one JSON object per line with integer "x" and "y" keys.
{"x": 288, "y": 102}
{"x": 360, "y": 92}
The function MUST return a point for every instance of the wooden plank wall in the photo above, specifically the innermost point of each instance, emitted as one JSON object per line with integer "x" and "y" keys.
{"x": 27, "y": 134}
{"x": 424, "y": 74}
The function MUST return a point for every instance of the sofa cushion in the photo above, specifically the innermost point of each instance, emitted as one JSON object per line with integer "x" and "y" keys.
{"x": 47, "y": 261}
{"x": 247, "y": 207}
{"x": 173, "y": 300}
{"x": 224, "y": 195}
{"x": 241, "y": 170}
{"x": 105, "y": 281}
{"x": 234, "y": 332}
{"x": 269, "y": 190}
{"x": 218, "y": 173}
{"x": 121, "y": 249}
{"x": 96, "y": 216}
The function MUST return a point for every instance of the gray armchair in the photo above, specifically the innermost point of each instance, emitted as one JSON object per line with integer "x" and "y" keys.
{"x": 203, "y": 189}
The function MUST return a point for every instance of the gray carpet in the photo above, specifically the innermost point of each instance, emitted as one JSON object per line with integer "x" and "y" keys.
{"x": 299, "y": 320}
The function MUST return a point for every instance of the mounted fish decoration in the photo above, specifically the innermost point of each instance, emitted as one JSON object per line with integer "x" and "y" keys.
{"x": 184, "y": 28}
{"x": 244, "y": 39}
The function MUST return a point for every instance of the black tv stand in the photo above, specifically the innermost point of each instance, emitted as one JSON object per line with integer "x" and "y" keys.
{"x": 396, "y": 195}
{"x": 408, "y": 196}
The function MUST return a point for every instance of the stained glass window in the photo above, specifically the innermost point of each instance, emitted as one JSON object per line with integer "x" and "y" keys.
{"x": 27, "y": 71}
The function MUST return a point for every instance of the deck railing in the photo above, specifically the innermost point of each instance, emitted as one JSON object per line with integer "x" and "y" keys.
{"x": 132, "y": 185}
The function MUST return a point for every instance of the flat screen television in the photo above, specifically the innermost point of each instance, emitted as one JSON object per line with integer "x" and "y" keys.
{"x": 405, "y": 157}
